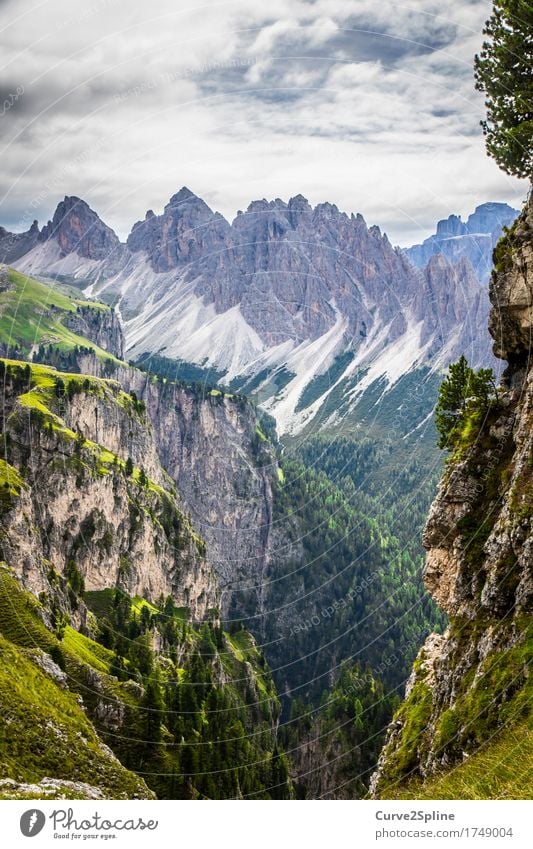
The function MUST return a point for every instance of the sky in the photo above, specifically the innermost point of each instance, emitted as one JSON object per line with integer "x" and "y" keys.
{"x": 368, "y": 104}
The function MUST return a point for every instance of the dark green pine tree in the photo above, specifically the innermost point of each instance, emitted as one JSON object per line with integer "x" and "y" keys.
{"x": 154, "y": 705}
{"x": 462, "y": 392}
{"x": 504, "y": 71}
{"x": 453, "y": 397}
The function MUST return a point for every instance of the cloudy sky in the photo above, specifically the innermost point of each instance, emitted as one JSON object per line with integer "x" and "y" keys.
{"x": 369, "y": 104}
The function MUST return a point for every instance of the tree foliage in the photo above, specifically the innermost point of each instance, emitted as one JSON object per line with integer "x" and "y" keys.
{"x": 205, "y": 722}
{"x": 465, "y": 395}
{"x": 504, "y": 71}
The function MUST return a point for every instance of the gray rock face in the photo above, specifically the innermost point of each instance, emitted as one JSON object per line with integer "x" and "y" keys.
{"x": 52, "y": 669}
{"x": 103, "y": 328}
{"x": 186, "y": 232}
{"x": 284, "y": 264}
{"x": 78, "y": 229}
{"x": 285, "y": 285}
{"x": 474, "y": 238}
{"x": 15, "y": 245}
{"x": 117, "y": 532}
{"x": 451, "y": 302}
{"x": 511, "y": 294}
{"x": 222, "y": 471}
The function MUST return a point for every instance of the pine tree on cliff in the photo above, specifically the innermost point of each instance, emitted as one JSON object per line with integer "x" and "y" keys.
{"x": 453, "y": 395}
{"x": 504, "y": 71}
{"x": 463, "y": 391}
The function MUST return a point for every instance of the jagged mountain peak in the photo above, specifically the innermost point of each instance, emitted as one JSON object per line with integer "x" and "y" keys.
{"x": 262, "y": 205}
{"x": 15, "y": 245}
{"x": 79, "y": 229}
{"x": 285, "y": 285}
{"x": 451, "y": 226}
{"x": 298, "y": 201}
{"x": 185, "y": 230}
{"x": 474, "y": 238}
{"x": 185, "y": 198}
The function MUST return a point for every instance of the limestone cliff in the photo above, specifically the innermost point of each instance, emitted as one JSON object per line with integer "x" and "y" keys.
{"x": 472, "y": 683}
{"x": 75, "y": 500}
{"x": 214, "y": 452}
{"x": 109, "y": 605}
{"x": 99, "y": 326}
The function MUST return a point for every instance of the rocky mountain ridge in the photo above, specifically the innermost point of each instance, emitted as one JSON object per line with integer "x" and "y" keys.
{"x": 300, "y": 303}
{"x": 473, "y": 239}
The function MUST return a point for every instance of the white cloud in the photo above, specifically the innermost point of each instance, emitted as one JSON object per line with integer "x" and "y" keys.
{"x": 370, "y": 106}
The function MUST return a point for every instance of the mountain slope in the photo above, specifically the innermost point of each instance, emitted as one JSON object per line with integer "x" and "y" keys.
{"x": 292, "y": 303}
{"x": 472, "y": 686}
{"x": 33, "y": 314}
{"x": 106, "y": 587}
{"x": 317, "y": 573}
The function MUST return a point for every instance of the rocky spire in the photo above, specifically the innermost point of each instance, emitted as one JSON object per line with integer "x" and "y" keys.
{"x": 77, "y": 228}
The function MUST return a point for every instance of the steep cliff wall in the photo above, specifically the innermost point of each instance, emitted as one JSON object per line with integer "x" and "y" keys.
{"x": 75, "y": 501}
{"x": 109, "y": 608}
{"x": 100, "y": 325}
{"x": 212, "y": 448}
{"x": 214, "y": 452}
{"x": 472, "y": 684}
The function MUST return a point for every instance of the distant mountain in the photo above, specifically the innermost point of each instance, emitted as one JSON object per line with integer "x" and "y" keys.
{"x": 15, "y": 245}
{"x": 474, "y": 238}
{"x": 307, "y": 308}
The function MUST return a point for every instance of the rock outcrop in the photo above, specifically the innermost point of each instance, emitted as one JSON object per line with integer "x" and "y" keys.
{"x": 472, "y": 682}
{"x": 15, "y": 245}
{"x": 118, "y": 529}
{"x": 473, "y": 239}
{"x": 100, "y": 326}
{"x": 78, "y": 229}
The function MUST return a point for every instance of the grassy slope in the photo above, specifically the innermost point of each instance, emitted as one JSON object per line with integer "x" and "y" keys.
{"x": 501, "y": 769}
{"x": 32, "y": 313}
{"x": 44, "y": 732}
{"x": 488, "y": 733}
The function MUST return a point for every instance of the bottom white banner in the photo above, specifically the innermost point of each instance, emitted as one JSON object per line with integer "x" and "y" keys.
{"x": 232, "y": 825}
